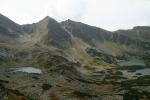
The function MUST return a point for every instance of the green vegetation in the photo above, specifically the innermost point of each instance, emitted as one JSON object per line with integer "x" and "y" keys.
{"x": 146, "y": 58}
{"x": 98, "y": 55}
{"x": 53, "y": 46}
{"x": 131, "y": 67}
{"x": 47, "y": 60}
{"x": 9, "y": 94}
{"x": 46, "y": 86}
{"x": 140, "y": 81}
{"x": 146, "y": 77}
{"x": 88, "y": 81}
{"x": 115, "y": 77}
{"x": 121, "y": 57}
{"x": 118, "y": 73}
{"x": 3, "y": 81}
{"x": 83, "y": 94}
{"x": 134, "y": 94}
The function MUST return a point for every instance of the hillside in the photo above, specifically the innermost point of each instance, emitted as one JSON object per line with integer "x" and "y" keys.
{"x": 75, "y": 59}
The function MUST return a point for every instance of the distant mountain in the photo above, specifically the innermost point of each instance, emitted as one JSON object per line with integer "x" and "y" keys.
{"x": 8, "y": 29}
{"x": 9, "y": 24}
{"x": 91, "y": 34}
{"x": 76, "y": 61}
{"x": 88, "y": 33}
{"x": 74, "y": 40}
{"x": 140, "y": 35}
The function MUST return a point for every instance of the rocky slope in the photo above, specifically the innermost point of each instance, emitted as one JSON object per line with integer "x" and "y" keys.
{"x": 78, "y": 61}
{"x": 49, "y": 32}
{"x": 9, "y": 30}
{"x": 71, "y": 40}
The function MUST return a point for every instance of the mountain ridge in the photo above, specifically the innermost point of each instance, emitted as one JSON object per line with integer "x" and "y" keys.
{"x": 76, "y": 61}
{"x": 73, "y": 38}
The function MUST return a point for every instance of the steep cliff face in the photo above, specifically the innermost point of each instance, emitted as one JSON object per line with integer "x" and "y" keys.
{"x": 139, "y": 35}
{"x": 91, "y": 34}
{"x": 114, "y": 43}
{"x": 88, "y": 34}
{"x": 49, "y": 32}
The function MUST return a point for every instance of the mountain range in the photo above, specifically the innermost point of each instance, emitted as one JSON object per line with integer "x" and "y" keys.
{"x": 73, "y": 40}
{"x": 76, "y": 61}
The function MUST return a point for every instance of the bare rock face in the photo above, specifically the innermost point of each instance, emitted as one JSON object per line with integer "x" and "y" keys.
{"x": 10, "y": 25}
{"x": 49, "y": 32}
{"x": 86, "y": 32}
{"x": 9, "y": 30}
{"x": 89, "y": 33}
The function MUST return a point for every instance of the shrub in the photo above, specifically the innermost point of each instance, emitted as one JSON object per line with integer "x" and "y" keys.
{"x": 83, "y": 94}
{"x": 46, "y": 86}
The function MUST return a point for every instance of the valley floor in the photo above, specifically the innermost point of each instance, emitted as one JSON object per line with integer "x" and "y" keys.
{"x": 108, "y": 84}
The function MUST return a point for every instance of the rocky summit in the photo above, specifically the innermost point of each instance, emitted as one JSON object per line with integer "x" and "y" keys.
{"x": 69, "y": 60}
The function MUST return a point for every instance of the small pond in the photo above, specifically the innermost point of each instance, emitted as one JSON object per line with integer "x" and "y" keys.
{"x": 140, "y": 72}
{"x": 131, "y": 62}
{"x": 26, "y": 70}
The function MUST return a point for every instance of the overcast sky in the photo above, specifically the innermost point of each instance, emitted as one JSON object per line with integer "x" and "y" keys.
{"x": 107, "y": 14}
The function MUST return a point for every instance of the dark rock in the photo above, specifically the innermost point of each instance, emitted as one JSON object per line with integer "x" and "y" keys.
{"x": 138, "y": 73}
{"x": 46, "y": 86}
{"x": 3, "y": 91}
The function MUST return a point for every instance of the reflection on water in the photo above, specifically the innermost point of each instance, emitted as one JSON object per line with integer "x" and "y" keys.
{"x": 27, "y": 70}
{"x": 143, "y": 72}
{"x": 131, "y": 62}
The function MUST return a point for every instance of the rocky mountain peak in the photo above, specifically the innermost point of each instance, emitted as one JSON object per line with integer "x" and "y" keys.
{"x": 6, "y": 21}
{"x": 9, "y": 24}
{"x": 48, "y": 19}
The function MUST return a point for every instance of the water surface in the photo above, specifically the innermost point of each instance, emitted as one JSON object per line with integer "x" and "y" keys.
{"x": 143, "y": 72}
{"x": 131, "y": 62}
{"x": 27, "y": 70}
